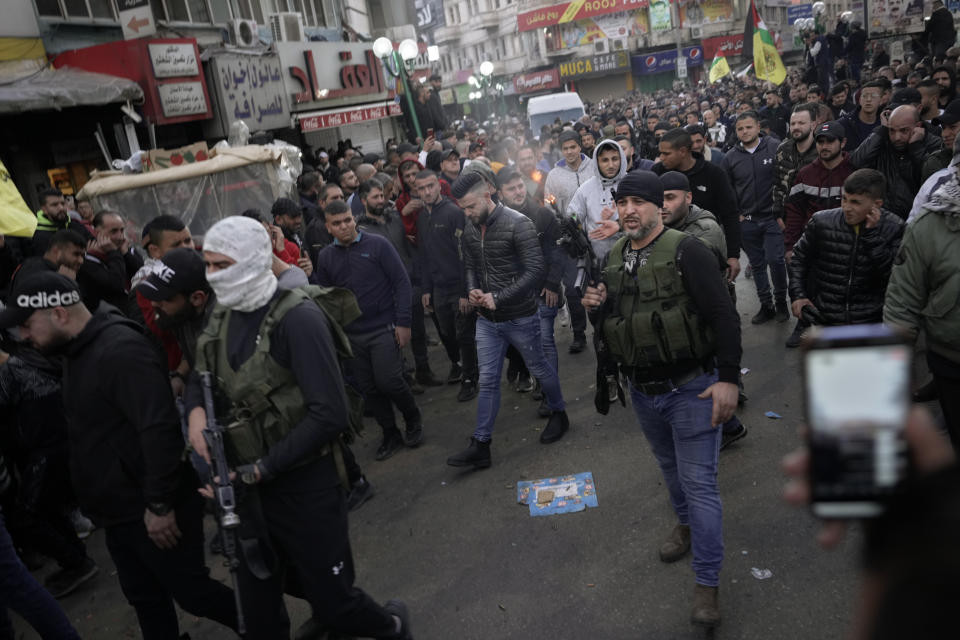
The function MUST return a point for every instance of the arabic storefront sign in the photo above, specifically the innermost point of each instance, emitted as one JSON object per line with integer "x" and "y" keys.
{"x": 330, "y": 74}
{"x": 594, "y": 65}
{"x": 343, "y": 117}
{"x": 726, "y": 45}
{"x": 537, "y": 81}
{"x": 660, "y": 61}
{"x": 182, "y": 99}
{"x": 799, "y": 12}
{"x": 614, "y": 25}
{"x": 696, "y": 13}
{"x": 573, "y": 11}
{"x": 249, "y": 88}
{"x": 660, "y": 16}
{"x": 894, "y": 17}
{"x": 174, "y": 60}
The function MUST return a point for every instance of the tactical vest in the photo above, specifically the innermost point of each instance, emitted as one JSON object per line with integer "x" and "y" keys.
{"x": 653, "y": 322}
{"x": 265, "y": 399}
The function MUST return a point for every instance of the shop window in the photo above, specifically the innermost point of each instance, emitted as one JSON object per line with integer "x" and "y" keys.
{"x": 77, "y": 9}
{"x": 248, "y": 10}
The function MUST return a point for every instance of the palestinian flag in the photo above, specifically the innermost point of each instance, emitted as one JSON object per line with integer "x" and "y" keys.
{"x": 758, "y": 44}
{"x": 719, "y": 68}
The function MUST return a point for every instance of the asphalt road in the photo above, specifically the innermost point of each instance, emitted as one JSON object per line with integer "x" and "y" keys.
{"x": 471, "y": 563}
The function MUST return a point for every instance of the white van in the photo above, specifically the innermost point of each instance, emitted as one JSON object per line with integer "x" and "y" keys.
{"x": 543, "y": 110}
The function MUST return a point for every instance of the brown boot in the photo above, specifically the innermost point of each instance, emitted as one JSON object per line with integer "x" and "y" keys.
{"x": 706, "y": 611}
{"x": 677, "y": 545}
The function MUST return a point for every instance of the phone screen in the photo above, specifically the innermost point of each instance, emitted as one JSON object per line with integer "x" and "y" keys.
{"x": 857, "y": 405}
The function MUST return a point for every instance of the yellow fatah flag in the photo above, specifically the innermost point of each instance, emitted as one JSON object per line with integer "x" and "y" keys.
{"x": 16, "y": 219}
{"x": 719, "y": 68}
{"x": 767, "y": 64}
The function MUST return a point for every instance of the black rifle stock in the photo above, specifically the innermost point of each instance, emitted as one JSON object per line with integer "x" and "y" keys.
{"x": 223, "y": 495}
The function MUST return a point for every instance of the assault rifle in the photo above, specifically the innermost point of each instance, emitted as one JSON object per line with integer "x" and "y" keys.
{"x": 223, "y": 496}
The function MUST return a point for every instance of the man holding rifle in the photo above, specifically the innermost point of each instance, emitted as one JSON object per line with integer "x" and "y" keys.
{"x": 126, "y": 453}
{"x": 264, "y": 346}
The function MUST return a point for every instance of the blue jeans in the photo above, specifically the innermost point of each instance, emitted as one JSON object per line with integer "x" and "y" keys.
{"x": 763, "y": 241}
{"x": 493, "y": 338}
{"x": 547, "y": 317}
{"x": 22, "y": 593}
{"x": 687, "y": 448}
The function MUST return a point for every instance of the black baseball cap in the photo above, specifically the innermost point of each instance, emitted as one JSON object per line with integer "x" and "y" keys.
{"x": 832, "y": 129}
{"x": 39, "y": 290}
{"x": 180, "y": 271}
{"x": 446, "y": 153}
{"x": 950, "y": 115}
{"x": 905, "y": 96}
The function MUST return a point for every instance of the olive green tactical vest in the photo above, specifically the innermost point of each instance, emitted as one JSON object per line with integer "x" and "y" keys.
{"x": 653, "y": 322}
{"x": 266, "y": 402}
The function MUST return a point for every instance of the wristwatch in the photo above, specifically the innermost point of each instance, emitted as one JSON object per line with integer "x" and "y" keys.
{"x": 159, "y": 508}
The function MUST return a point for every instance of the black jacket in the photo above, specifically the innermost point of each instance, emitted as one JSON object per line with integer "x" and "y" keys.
{"x": 752, "y": 176}
{"x": 439, "y": 249}
{"x": 845, "y": 273}
{"x": 900, "y": 168}
{"x": 392, "y": 229}
{"x": 711, "y": 189}
{"x": 107, "y": 278}
{"x": 126, "y": 446}
{"x": 503, "y": 257}
{"x": 437, "y": 116}
{"x": 548, "y": 231}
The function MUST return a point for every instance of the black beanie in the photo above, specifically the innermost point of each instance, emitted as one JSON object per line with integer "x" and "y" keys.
{"x": 675, "y": 181}
{"x": 641, "y": 184}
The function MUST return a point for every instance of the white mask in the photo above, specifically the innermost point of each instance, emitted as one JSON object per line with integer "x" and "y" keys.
{"x": 249, "y": 283}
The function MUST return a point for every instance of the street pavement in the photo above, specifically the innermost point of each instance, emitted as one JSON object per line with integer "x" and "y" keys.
{"x": 471, "y": 563}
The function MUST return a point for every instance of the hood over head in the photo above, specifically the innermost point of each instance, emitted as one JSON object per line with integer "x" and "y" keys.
{"x": 610, "y": 182}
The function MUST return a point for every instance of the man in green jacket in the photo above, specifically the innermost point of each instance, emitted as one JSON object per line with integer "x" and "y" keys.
{"x": 924, "y": 293}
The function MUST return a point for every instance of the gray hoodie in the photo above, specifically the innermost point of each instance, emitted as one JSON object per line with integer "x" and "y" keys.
{"x": 595, "y": 195}
{"x": 562, "y": 181}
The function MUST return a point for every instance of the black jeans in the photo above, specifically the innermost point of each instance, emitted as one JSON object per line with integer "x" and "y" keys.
{"x": 378, "y": 369}
{"x": 153, "y": 578}
{"x": 418, "y": 333}
{"x": 458, "y": 332}
{"x": 304, "y": 517}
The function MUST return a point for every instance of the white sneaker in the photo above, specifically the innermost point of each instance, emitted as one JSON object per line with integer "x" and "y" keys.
{"x": 564, "y": 316}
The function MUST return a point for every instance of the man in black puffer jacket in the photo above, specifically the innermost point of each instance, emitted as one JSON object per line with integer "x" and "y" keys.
{"x": 842, "y": 262}
{"x": 504, "y": 273}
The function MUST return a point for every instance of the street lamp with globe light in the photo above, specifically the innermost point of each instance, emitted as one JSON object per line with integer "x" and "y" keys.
{"x": 399, "y": 63}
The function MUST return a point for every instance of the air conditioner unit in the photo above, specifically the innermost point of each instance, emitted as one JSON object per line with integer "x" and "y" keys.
{"x": 619, "y": 44}
{"x": 244, "y": 33}
{"x": 696, "y": 33}
{"x": 287, "y": 27}
{"x": 601, "y": 45}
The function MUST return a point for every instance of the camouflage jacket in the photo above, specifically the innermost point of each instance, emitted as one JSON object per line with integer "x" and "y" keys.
{"x": 789, "y": 160}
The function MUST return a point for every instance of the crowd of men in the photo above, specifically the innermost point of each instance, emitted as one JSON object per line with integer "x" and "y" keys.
{"x": 472, "y": 235}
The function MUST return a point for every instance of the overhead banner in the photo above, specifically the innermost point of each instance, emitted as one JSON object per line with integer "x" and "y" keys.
{"x": 724, "y": 45}
{"x": 662, "y": 61}
{"x": 574, "y": 11}
{"x": 594, "y": 65}
{"x": 537, "y": 81}
{"x": 696, "y": 13}
{"x": 660, "y": 16}
{"x": 615, "y": 25}
{"x": 343, "y": 117}
{"x": 799, "y": 12}
{"x": 894, "y": 17}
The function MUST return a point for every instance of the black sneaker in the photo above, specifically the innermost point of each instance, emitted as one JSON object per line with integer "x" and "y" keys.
{"x": 783, "y": 311}
{"x": 392, "y": 442}
{"x": 413, "y": 435}
{"x": 426, "y": 378}
{"x": 360, "y": 492}
{"x": 796, "y": 337}
{"x": 468, "y": 391}
{"x": 524, "y": 383}
{"x": 741, "y": 398}
{"x": 399, "y": 611}
{"x": 477, "y": 455}
{"x": 557, "y": 425}
{"x": 579, "y": 343}
{"x": 729, "y": 438}
{"x": 66, "y": 581}
{"x": 766, "y": 314}
{"x": 455, "y": 374}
